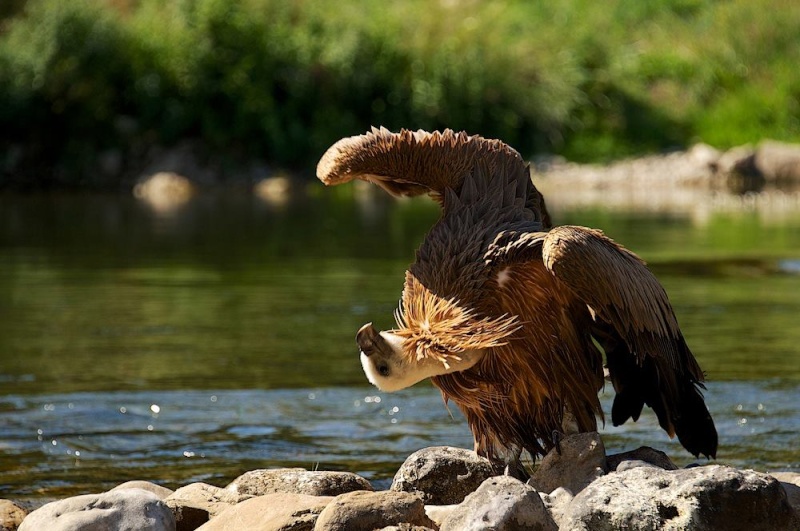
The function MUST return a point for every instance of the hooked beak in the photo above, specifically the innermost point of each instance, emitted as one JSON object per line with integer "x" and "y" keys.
{"x": 370, "y": 341}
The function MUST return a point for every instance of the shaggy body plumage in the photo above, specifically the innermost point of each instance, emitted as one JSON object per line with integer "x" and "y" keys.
{"x": 500, "y": 310}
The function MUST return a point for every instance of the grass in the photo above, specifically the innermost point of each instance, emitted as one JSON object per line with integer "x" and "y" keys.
{"x": 279, "y": 81}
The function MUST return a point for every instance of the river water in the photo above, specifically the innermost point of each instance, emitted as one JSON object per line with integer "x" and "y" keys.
{"x": 196, "y": 341}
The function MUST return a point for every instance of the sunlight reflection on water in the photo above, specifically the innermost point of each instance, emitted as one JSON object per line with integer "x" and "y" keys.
{"x": 78, "y": 442}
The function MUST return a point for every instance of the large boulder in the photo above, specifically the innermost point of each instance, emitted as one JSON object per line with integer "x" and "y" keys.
{"x": 280, "y": 511}
{"x": 366, "y": 511}
{"x": 501, "y": 503}
{"x": 578, "y": 460}
{"x": 297, "y": 481}
{"x": 120, "y": 510}
{"x": 703, "y": 498}
{"x": 442, "y": 475}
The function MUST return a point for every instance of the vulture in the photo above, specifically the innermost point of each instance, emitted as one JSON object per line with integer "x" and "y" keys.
{"x": 510, "y": 316}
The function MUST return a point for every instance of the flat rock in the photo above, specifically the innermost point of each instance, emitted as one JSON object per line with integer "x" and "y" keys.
{"x": 158, "y": 490}
{"x": 119, "y": 510}
{"x": 366, "y": 511}
{"x": 11, "y": 515}
{"x": 702, "y": 498}
{"x": 297, "y": 481}
{"x": 443, "y": 475}
{"x": 213, "y": 500}
{"x": 501, "y": 503}
{"x": 582, "y": 460}
{"x": 280, "y": 511}
{"x": 644, "y": 454}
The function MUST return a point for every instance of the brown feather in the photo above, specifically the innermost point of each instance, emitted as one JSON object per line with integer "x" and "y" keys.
{"x": 489, "y": 276}
{"x": 412, "y": 163}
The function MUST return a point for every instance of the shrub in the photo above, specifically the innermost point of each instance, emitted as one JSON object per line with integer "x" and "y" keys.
{"x": 280, "y": 81}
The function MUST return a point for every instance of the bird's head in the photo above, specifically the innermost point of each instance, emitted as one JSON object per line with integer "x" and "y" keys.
{"x": 434, "y": 336}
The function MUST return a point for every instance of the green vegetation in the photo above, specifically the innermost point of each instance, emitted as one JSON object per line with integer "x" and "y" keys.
{"x": 279, "y": 81}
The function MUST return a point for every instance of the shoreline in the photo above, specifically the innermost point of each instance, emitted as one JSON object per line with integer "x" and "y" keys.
{"x": 579, "y": 487}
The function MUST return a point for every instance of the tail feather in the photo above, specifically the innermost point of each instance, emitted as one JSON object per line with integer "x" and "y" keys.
{"x": 693, "y": 423}
{"x": 674, "y": 394}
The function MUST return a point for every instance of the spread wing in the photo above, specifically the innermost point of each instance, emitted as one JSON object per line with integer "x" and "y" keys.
{"x": 412, "y": 163}
{"x": 647, "y": 356}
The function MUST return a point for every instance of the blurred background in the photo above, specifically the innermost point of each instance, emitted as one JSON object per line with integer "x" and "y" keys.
{"x": 94, "y": 92}
{"x": 179, "y": 295}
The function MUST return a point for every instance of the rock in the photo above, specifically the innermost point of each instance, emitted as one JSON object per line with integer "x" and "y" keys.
{"x": 790, "y": 481}
{"x": 406, "y": 527}
{"x": 703, "y": 155}
{"x": 703, "y": 498}
{"x": 187, "y": 517}
{"x": 298, "y": 481}
{"x": 501, "y": 503}
{"x": 642, "y": 454}
{"x": 635, "y": 463}
{"x": 581, "y": 461}
{"x": 439, "y": 513}
{"x": 158, "y": 490}
{"x": 120, "y": 510}
{"x": 778, "y": 162}
{"x": 11, "y": 515}
{"x": 443, "y": 475}
{"x": 280, "y": 511}
{"x": 739, "y": 159}
{"x": 556, "y": 503}
{"x": 213, "y": 500}
{"x": 365, "y": 511}
{"x": 165, "y": 191}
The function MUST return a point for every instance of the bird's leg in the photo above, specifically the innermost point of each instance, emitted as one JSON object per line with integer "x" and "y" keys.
{"x": 557, "y": 436}
{"x": 514, "y": 466}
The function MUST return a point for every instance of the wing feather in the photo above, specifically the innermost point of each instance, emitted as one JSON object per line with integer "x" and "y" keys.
{"x": 411, "y": 163}
{"x": 647, "y": 356}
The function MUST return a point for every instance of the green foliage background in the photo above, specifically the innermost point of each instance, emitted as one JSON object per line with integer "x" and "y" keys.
{"x": 280, "y": 80}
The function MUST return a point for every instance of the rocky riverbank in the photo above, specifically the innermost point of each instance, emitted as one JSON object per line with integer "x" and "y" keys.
{"x": 697, "y": 181}
{"x": 448, "y": 489}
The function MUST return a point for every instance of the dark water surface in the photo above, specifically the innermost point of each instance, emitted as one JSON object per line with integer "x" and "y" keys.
{"x": 214, "y": 337}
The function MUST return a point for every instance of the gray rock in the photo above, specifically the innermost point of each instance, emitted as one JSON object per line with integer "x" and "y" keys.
{"x": 298, "y": 481}
{"x": 119, "y": 510}
{"x": 213, "y": 500}
{"x": 635, "y": 463}
{"x": 366, "y": 511}
{"x": 642, "y": 454}
{"x": 703, "y": 498}
{"x": 790, "y": 481}
{"x": 158, "y": 490}
{"x": 581, "y": 461}
{"x": 280, "y": 511}
{"x": 11, "y": 515}
{"x": 501, "y": 503}
{"x": 443, "y": 475}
